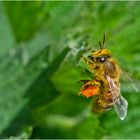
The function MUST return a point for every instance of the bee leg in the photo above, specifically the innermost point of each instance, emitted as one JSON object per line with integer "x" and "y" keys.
{"x": 87, "y": 61}
{"x": 83, "y": 81}
{"x": 91, "y": 83}
{"x": 90, "y": 88}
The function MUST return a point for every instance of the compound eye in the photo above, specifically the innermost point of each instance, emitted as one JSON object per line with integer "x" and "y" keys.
{"x": 101, "y": 59}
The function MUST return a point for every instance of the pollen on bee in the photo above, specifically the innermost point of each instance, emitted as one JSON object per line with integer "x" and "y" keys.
{"x": 90, "y": 91}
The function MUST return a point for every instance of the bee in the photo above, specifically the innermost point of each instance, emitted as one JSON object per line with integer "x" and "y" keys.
{"x": 105, "y": 85}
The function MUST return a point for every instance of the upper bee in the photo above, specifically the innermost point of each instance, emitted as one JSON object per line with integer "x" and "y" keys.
{"x": 100, "y": 56}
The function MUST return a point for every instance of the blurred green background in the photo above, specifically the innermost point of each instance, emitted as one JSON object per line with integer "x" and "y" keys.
{"x": 38, "y": 71}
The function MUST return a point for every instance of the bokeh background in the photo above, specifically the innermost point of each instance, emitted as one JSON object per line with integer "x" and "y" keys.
{"x": 39, "y": 42}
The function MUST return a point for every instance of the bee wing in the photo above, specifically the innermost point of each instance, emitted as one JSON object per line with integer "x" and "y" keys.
{"x": 134, "y": 84}
{"x": 113, "y": 88}
{"x": 120, "y": 104}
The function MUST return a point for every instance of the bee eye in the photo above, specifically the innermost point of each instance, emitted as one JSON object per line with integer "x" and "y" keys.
{"x": 101, "y": 59}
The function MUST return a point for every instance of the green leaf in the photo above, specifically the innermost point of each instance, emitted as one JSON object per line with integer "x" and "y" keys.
{"x": 25, "y": 18}
{"x": 38, "y": 83}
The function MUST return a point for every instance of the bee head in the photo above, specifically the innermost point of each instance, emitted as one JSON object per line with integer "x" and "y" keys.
{"x": 101, "y": 55}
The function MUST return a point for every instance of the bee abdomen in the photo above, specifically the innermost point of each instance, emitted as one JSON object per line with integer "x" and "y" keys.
{"x": 101, "y": 109}
{"x": 102, "y": 105}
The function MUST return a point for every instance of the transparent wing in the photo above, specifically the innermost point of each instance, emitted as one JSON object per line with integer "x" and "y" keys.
{"x": 113, "y": 88}
{"x": 120, "y": 104}
{"x": 133, "y": 83}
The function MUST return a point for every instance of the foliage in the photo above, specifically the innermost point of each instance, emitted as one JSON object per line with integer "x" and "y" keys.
{"x": 39, "y": 73}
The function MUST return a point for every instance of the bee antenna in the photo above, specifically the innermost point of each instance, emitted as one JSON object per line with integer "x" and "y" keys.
{"x": 101, "y": 46}
{"x": 104, "y": 39}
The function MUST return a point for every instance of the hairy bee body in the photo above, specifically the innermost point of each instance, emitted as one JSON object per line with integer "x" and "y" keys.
{"x": 104, "y": 99}
{"x": 105, "y": 84}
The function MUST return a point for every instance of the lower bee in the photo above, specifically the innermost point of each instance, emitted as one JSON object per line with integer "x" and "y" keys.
{"x": 105, "y": 85}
